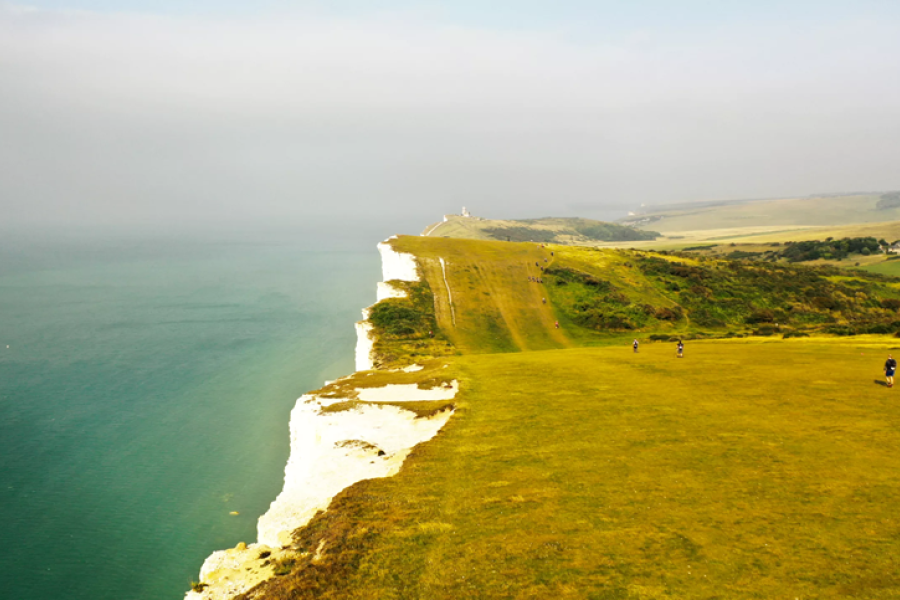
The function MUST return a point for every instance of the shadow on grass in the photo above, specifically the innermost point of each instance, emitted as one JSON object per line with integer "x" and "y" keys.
{"x": 881, "y": 383}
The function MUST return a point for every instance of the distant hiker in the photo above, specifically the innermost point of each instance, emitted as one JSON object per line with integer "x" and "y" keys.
{"x": 890, "y": 366}
{"x": 680, "y": 349}
{"x": 557, "y": 324}
{"x": 542, "y": 269}
{"x": 545, "y": 260}
{"x": 537, "y": 264}
{"x": 551, "y": 254}
{"x": 635, "y": 345}
{"x": 430, "y": 333}
{"x": 544, "y": 300}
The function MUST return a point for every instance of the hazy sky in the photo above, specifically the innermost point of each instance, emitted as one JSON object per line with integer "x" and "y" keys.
{"x": 172, "y": 111}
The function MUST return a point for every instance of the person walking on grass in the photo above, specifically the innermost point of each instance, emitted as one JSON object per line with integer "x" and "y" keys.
{"x": 680, "y": 349}
{"x": 635, "y": 345}
{"x": 890, "y": 366}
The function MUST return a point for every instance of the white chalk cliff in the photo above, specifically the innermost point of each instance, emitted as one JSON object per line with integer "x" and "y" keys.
{"x": 332, "y": 450}
{"x": 395, "y": 266}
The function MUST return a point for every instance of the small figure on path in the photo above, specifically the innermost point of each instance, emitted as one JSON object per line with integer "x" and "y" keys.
{"x": 680, "y": 349}
{"x": 544, "y": 300}
{"x": 635, "y": 345}
{"x": 890, "y": 366}
{"x": 557, "y": 324}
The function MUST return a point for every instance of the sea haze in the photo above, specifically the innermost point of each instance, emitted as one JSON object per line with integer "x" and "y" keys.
{"x": 146, "y": 392}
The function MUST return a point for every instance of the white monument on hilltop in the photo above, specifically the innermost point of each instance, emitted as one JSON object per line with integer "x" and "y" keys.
{"x": 465, "y": 213}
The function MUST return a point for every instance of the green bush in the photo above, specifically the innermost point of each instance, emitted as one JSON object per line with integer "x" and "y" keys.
{"x": 405, "y": 318}
{"x": 724, "y": 293}
{"x": 890, "y": 303}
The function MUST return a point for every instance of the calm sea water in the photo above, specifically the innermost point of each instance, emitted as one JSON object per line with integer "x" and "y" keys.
{"x": 145, "y": 394}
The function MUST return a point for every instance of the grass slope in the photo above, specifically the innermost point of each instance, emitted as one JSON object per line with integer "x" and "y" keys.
{"x": 744, "y": 470}
{"x": 495, "y": 306}
{"x": 597, "y": 293}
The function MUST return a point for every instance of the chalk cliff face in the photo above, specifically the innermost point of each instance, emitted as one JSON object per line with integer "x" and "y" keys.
{"x": 364, "y": 343}
{"x": 333, "y": 449}
{"x": 395, "y": 266}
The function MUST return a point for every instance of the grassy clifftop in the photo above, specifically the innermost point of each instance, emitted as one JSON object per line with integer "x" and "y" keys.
{"x": 575, "y": 468}
{"x": 546, "y": 230}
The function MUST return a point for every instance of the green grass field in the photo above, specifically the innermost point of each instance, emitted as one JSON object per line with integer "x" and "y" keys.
{"x": 887, "y": 267}
{"x": 744, "y": 470}
{"x": 574, "y": 468}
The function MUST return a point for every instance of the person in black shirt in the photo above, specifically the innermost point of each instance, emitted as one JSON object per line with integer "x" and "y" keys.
{"x": 680, "y": 349}
{"x": 635, "y": 345}
{"x": 890, "y": 365}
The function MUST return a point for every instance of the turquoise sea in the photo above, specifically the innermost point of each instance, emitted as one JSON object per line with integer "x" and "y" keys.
{"x": 145, "y": 395}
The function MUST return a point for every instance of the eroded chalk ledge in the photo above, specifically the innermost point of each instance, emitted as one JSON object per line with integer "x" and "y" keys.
{"x": 336, "y": 441}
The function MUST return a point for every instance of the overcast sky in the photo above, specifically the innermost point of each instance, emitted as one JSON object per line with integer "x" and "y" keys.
{"x": 153, "y": 112}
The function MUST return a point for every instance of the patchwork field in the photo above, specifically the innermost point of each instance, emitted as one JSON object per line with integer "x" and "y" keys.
{"x": 751, "y": 226}
{"x": 815, "y": 211}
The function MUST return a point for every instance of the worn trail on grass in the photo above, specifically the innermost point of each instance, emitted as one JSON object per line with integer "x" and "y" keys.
{"x": 497, "y": 307}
